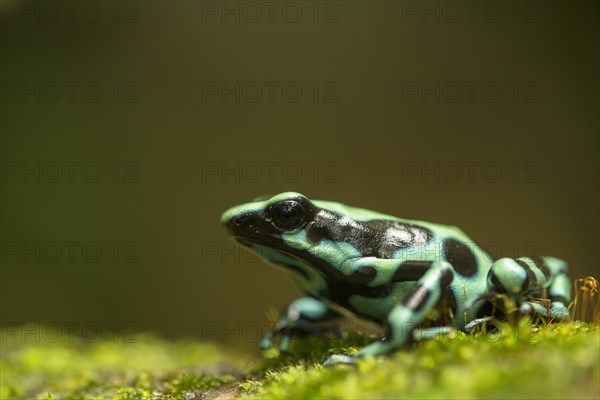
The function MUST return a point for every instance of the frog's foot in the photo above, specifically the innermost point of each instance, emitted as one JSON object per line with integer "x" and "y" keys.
{"x": 338, "y": 359}
{"x": 287, "y": 329}
{"x": 477, "y": 322}
{"x": 267, "y": 341}
{"x": 519, "y": 278}
{"x": 284, "y": 328}
{"x": 551, "y": 309}
{"x": 301, "y": 319}
{"x": 417, "y": 335}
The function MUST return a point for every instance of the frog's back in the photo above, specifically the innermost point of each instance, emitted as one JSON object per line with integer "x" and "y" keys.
{"x": 410, "y": 239}
{"x": 415, "y": 244}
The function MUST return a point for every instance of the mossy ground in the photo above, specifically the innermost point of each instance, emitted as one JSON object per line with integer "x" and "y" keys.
{"x": 144, "y": 369}
{"x": 522, "y": 360}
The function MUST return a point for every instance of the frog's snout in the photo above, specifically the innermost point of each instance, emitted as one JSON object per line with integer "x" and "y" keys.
{"x": 228, "y": 215}
{"x": 246, "y": 226}
{"x": 235, "y": 221}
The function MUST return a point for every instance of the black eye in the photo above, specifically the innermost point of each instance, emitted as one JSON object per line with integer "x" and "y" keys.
{"x": 288, "y": 215}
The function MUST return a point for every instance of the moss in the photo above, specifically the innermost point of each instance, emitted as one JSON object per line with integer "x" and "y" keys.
{"x": 554, "y": 361}
{"x": 149, "y": 368}
{"x": 520, "y": 361}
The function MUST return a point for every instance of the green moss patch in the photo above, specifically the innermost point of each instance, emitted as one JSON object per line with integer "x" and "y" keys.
{"x": 556, "y": 361}
{"x": 550, "y": 362}
{"x": 150, "y": 368}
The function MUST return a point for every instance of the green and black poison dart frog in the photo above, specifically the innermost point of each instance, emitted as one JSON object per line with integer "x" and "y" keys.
{"x": 385, "y": 269}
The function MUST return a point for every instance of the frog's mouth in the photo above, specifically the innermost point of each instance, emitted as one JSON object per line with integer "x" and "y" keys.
{"x": 243, "y": 241}
{"x": 248, "y": 242}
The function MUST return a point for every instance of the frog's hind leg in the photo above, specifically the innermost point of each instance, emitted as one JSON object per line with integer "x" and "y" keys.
{"x": 406, "y": 316}
{"x": 558, "y": 287}
{"x": 301, "y": 317}
{"x": 523, "y": 277}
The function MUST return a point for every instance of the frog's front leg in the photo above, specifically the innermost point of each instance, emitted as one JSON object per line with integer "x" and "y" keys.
{"x": 300, "y": 316}
{"x": 404, "y": 317}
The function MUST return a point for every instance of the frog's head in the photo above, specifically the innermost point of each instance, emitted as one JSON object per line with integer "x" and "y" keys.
{"x": 290, "y": 230}
{"x": 265, "y": 220}
{"x": 293, "y": 232}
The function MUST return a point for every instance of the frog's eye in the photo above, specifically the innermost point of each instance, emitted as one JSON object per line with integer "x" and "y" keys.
{"x": 287, "y": 215}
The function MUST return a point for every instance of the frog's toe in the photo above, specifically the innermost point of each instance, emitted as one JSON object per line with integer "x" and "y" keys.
{"x": 337, "y": 359}
{"x": 284, "y": 344}
{"x": 526, "y": 308}
{"x": 266, "y": 342}
{"x": 478, "y": 322}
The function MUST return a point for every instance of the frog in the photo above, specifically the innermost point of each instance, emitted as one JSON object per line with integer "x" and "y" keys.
{"x": 394, "y": 272}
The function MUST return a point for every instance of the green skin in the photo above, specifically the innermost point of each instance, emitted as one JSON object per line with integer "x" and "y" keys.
{"x": 386, "y": 269}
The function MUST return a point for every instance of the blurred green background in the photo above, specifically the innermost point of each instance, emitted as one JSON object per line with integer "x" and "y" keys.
{"x": 127, "y": 128}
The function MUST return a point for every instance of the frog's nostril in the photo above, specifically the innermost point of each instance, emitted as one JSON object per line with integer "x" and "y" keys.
{"x": 237, "y": 221}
